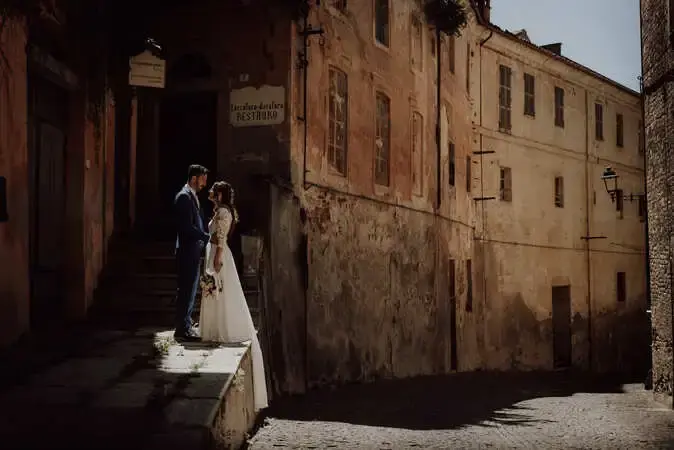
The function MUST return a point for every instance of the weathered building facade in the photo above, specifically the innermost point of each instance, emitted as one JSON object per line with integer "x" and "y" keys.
{"x": 394, "y": 245}
{"x": 657, "y": 39}
{"x": 563, "y": 262}
{"x": 526, "y": 263}
{"x": 56, "y": 162}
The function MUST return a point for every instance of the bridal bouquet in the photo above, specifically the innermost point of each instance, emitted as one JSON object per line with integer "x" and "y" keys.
{"x": 209, "y": 285}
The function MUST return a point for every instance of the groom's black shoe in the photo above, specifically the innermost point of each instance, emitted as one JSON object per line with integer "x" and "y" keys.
{"x": 188, "y": 335}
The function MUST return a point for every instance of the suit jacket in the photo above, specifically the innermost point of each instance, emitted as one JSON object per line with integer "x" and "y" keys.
{"x": 189, "y": 221}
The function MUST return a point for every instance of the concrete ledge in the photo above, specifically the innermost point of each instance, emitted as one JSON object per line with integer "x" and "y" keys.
{"x": 143, "y": 387}
{"x": 663, "y": 399}
{"x": 215, "y": 410}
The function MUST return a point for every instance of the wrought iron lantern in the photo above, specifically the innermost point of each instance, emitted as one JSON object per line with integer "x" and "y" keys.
{"x": 610, "y": 178}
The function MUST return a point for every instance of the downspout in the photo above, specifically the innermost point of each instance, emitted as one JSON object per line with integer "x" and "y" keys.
{"x": 587, "y": 233}
{"x": 484, "y": 216}
{"x": 306, "y": 32}
{"x": 438, "y": 172}
{"x": 649, "y": 381}
{"x": 304, "y": 63}
{"x": 438, "y": 134}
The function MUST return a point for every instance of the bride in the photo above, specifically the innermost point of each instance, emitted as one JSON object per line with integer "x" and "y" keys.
{"x": 224, "y": 313}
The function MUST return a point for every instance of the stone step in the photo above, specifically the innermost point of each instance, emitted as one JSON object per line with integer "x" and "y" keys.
{"x": 157, "y": 299}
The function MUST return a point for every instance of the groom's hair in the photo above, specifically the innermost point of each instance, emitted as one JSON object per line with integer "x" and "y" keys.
{"x": 196, "y": 170}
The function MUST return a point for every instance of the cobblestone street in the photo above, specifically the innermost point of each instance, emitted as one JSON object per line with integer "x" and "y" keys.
{"x": 479, "y": 410}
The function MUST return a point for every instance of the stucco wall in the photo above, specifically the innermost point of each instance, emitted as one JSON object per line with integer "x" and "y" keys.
{"x": 367, "y": 316}
{"x": 88, "y": 204}
{"x": 378, "y": 294}
{"x": 531, "y": 245}
{"x": 14, "y": 286}
{"x": 658, "y": 60}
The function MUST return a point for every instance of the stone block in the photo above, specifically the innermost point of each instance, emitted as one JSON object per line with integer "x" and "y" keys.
{"x": 192, "y": 412}
{"x": 125, "y": 395}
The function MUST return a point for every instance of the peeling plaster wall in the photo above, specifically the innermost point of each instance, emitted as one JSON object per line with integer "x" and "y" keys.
{"x": 378, "y": 296}
{"x": 530, "y": 245}
{"x": 88, "y": 204}
{"x": 14, "y": 254}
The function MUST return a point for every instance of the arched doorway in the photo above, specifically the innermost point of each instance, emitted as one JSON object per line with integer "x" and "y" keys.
{"x": 188, "y": 125}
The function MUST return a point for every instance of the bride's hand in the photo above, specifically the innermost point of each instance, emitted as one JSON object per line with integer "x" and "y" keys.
{"x": 217, "y": 264}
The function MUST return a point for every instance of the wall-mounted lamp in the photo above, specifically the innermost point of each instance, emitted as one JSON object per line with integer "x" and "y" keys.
{"x": 610, "y": 178}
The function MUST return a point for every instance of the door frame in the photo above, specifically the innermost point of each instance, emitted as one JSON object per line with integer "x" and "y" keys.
{"x": 35, "y": 82}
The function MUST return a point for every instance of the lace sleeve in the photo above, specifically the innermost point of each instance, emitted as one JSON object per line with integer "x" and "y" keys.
{"x": 222, "y": 225}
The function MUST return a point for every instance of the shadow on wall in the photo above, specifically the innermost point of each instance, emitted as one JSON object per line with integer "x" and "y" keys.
{"x": 440, "y": 403}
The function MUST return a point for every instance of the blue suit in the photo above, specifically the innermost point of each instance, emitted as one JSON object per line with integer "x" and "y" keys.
{"x": 190, "y": 242}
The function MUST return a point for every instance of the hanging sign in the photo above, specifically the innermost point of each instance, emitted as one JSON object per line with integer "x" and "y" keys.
{"x": 147, "y": 70}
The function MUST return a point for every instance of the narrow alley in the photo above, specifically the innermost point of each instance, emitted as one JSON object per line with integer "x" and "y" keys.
{"x": 479, "y": 410}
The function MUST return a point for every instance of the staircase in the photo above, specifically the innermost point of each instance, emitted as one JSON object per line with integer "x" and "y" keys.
{"x": 139, "y": 285}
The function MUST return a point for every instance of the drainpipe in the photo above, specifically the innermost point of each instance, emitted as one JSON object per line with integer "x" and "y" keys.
{"x": 484, "y": 216}
{"x": 306, "y": 32}
{"x": 587, "y": 233}
{"x": 438, "y": 134}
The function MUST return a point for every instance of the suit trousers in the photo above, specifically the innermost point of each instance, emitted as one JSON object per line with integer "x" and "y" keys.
{"x": 189, "y": 267}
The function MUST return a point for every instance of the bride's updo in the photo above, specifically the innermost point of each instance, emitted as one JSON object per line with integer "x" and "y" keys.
{"x": 224, "y": 196}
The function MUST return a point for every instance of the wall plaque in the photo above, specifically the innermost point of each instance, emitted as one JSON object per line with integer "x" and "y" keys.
{"x": 252, "y": 107}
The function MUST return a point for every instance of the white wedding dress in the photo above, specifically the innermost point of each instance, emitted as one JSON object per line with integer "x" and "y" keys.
{"x": 224, "y": 315}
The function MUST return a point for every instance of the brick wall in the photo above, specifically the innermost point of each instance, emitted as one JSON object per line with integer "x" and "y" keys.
{"x": 658, "y": 61}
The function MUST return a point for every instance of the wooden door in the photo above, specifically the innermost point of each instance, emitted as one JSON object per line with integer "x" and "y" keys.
{"x": 561, "y": 326}
{"x": 49, "y": 216}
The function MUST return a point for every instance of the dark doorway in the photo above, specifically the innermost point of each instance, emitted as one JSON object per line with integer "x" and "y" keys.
{"x": 561, "y": 326}
{"x": 188, "y": 135}
{"x": 48, "y": 118}
{"x": 454, "y": 362}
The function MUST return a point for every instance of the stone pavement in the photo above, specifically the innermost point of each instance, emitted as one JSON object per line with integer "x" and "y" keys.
{"x": 119, "y": 389}
{"x": 475, "y": 410}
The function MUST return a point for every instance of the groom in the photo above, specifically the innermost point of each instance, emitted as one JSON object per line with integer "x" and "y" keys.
{"x": 192, "y": 237}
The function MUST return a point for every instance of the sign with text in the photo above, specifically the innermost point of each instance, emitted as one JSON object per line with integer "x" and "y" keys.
{"x": 251, "y": 107}
{"x": 147, "y": 70}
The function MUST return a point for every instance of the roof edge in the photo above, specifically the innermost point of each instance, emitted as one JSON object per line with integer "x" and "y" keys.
{"x": 492, "y": 27}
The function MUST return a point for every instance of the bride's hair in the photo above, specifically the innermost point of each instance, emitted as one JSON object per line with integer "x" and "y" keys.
{"x": 225, "y": 192}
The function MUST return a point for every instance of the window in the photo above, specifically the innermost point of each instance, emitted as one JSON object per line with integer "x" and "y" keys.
{"x": 619, "y": 130}
{"x": 599, "y": 121}
{"x": 559, "y": 107}
{"x": 452, "y": 164}
{"x": 642, "y": 208}
{"x": 416, "y": 51}
{"x": 469, "y": 173}
{"x": 338, "y": 118}
{"x": 339, "y": 4}
{"x": 382, "y": 140}
{"x": 381, "y": 21}
{"x": 506, "y": 190}
{"x": 621, "y": 287}
{"x": 641, "y": 133}
{"x": 452, "y": 54}
{"x": 469, "y": 285}
{"x": 559, "y": 192}
{"x": 529, "y": 95}
{"x": 619, "y": 202}
{"x": 417, "y": 152}
{"x": 468, "y": 68}
{"x": 504, "y": 98}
